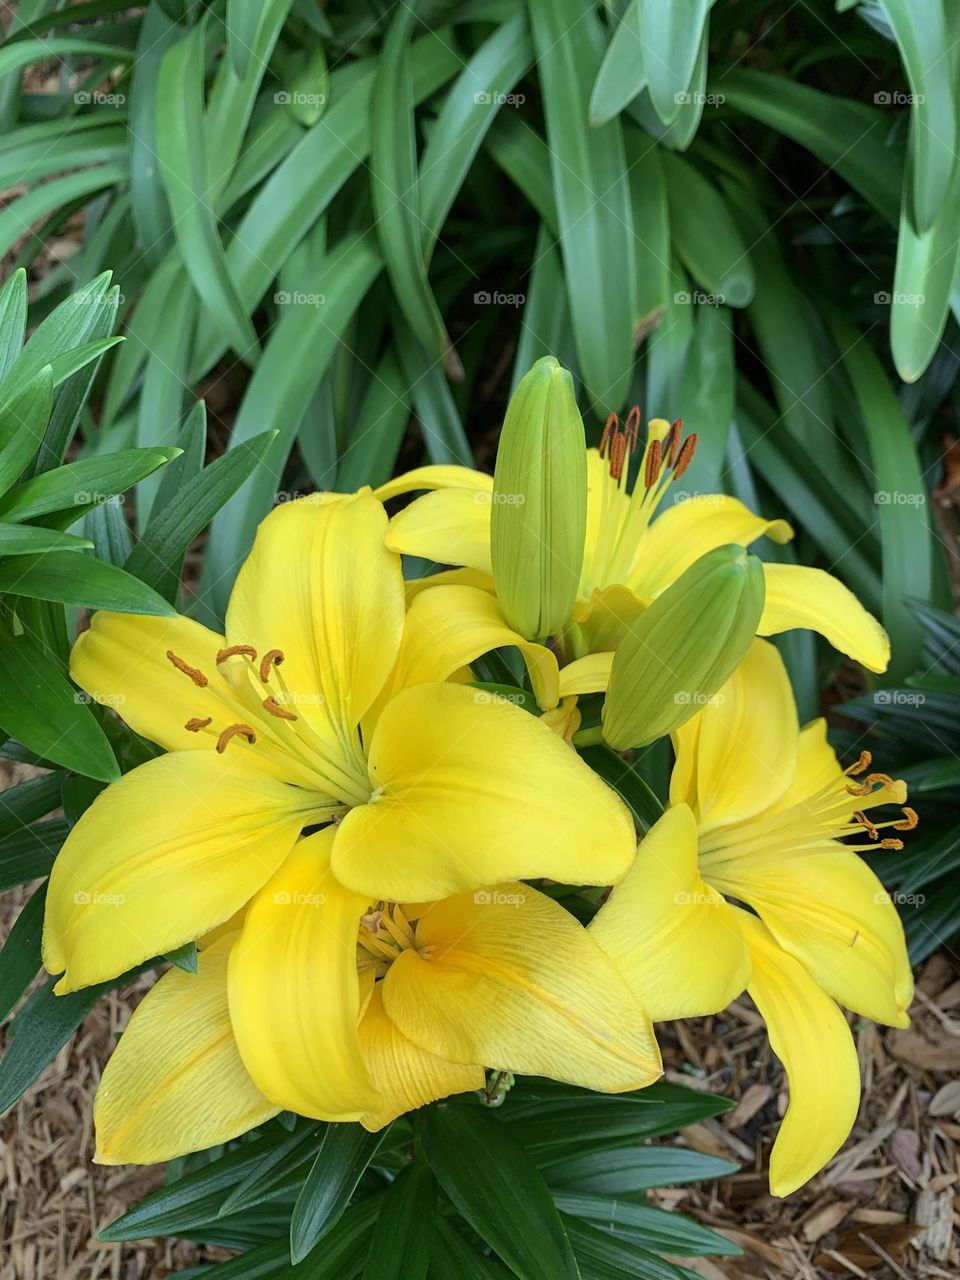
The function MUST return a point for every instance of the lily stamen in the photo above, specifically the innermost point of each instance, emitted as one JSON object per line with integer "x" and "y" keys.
{"x": 247, "y": 650}
{"x": 231, "y": 731}
{"x": 197, "y": 676}
{"x": 866, "y": 759}
{"x": 272, "y": 658}
{"x": 196, "y": 723}
{"x": 910, "y": 820}
{"x": 271, "y": 705}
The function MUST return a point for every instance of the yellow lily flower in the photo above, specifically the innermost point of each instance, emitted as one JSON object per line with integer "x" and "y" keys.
{"x": 631, "y": 554}
{"x": 323, "y": 702}
{"x": 759, "y": 812}
{"x": 339, "y": 1009}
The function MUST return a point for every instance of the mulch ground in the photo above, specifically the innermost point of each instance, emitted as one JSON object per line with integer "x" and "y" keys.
{"x": 886, "y": 1206}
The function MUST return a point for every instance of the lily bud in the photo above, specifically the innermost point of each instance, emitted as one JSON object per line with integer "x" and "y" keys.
{"x": 539, "y": 518}
{"x": 683, "y": 648}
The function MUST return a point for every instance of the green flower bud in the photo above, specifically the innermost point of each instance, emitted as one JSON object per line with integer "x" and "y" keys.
{"x": 683, "y": 648}
{"x": 539, "y": 517}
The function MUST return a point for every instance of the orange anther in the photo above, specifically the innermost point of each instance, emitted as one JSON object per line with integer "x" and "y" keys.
{"x": 272, "y": 658}
{"x": 231, "y": 731}
{"x": 195, "y": 724}
{"x": 196, "y": 676}
{"x": 247, "y": 650}
{"x": 270, "y": 704}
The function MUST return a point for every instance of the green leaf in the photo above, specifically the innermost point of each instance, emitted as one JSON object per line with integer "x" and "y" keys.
{"x": 370, "y": 454}
{"x": 22, "y": 53}
{"x": 443, "y": 435}
{"x": 633, "y": 1169}
{"x": 922, "y": 33}
{"x": 671, "y": 33}
{"x": 274, "y": 1169}
{"x": 40, "y": 708}
{"x": 707, "y": 396}
{"x": 23, "y": 804}
{"x": 151, "y": 210}
{"x": 403, "y": 1232}
{"x": 651, "y": 216}
{"x": 158, "y": 557}
{"x": 23, "y": 420}
{"x": 900, "y": 497}
{"x": 654, "y": 1229}
{"x": 628, "y": 784}
{"x": 342, "y": 1250}
{"x": 622, "y": 74}
{"x": 720, "y": 262}
{"x": 453, "y": 1259}
{"x": 592, "y": 193}
{"x": 69, "y": 325}
{"x": 345, "y": 1151}
{"x": 13, "y": 320}
{"x": 85, "y": 483}
{"x": 29, "y": 853}
{"x": 71, "y": 579}
{"x": 395, "y": 190}
{"x": 25, "y": 540}
{"x": 606, "y": 1257}
{"x": 37, "y": 203}
{"x": 20, "y": 958}
{"x": 494, "y": 1184}
{"x": 184, "y": 957}
{"x": 181, "y": 151}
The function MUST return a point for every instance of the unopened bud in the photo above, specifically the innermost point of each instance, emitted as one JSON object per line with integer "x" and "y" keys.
{"x": 539, "y": 517}
{"x": 683, "y": 648}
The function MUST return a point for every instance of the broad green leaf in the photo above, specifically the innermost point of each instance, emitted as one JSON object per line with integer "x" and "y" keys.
{"x": 271, "y": 1171}
{"x": 927, "y": 263}
{"x": 525, "y": 158}
{"x": 651, "y": 221}
{"x": 26, "y": 540}
{"x": 494, "y": 1184}
{"x": 41, "y": 709}
{"x": 41, "y": 153}
{"x": 182, "y": 153}
{"x": 23, "y": 420}
{"x": 184, "y": 957}
{"x": 680, "y": 132}
{"x": 707, "y": 397}
{"x": 634, "y": 1169}
{"x": 655, "y": 1229}
{"x": 262, "y": 1263}
{"x": 20, "y": 957}
{"x": 922, "y": 33}
{"x": 592, "y": 195}
{"x": 22, "y": 53}
{"x": 69, "y": 325}
{"x": 341, "y": 1251}
{"x": 403, "y": 1232}
{"x": 671, "y": 35}
{"x": 25, "y": 803}
{"x": 720, "y": 261}
{"x": 293, "y": 363}
{"x": 37, "y": 203}
{"x": 370, "y": 454}
{"x": 13, "y": 320}
{"x": 546, "y": 326}
{"x": 443, "y": 434}
{"x": 151, "y": 210}
{"x": 396, "y": 194}
{"x": 622, "y": 74}
{"x": 453, "y": 1259}
{"x": 604, "y": 1256}
{"x": 624, "y": 779}
{"x": 86, "y": 482}
{"x": 70, "y": 579}
{"x": 157, "y": 559}
{"x": 345, "y": 1151}
{"x": 900, "y": 497}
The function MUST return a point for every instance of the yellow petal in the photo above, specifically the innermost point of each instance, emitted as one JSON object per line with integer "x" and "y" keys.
{"x": 320, "y": 586}
{"x": 450, "y": 526}
{"x": 590, "y": 674}
{"x": 506, "y": 976}
{"x": 688, "y": 530}
{"x": 406, "y": 1076}
{"x": 809, "y": 1035}
{"x": 600, "y": 622}
{"x": 801, "y": 597}
{"x": 122, "y": 663}
{"x": 674, "y": 939}
{"x": 830, "y": 911}
{"x": 435, "y": 477}
{"x": 294, "y": 991}
{"x": 163, "y": 856}
{"x": 686, "y": 749}
{"x": 469, "y": 791}
{"x": 176, "y": 1083}
{"x": 564, "y": 720}
{"x": 448, "y": 578}
{"x": 748, "y": 740}
{"x": 450, "y": 627}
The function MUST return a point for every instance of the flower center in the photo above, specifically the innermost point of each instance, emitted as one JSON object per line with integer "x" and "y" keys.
{"x": 624, "y": 517}
{"x": 385, "y": 932}
{"x": 281, "y": 735}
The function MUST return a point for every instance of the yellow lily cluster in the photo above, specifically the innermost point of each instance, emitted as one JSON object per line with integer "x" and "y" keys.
{"x": 364, "y": 844}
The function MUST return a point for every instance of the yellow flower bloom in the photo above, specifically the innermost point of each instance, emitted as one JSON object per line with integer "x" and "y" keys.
{"x": 758, "y": 815}
{"x": 631, "y": 554}
{"x": 323, "y": 702}
{"x": 343, "y": 1010}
